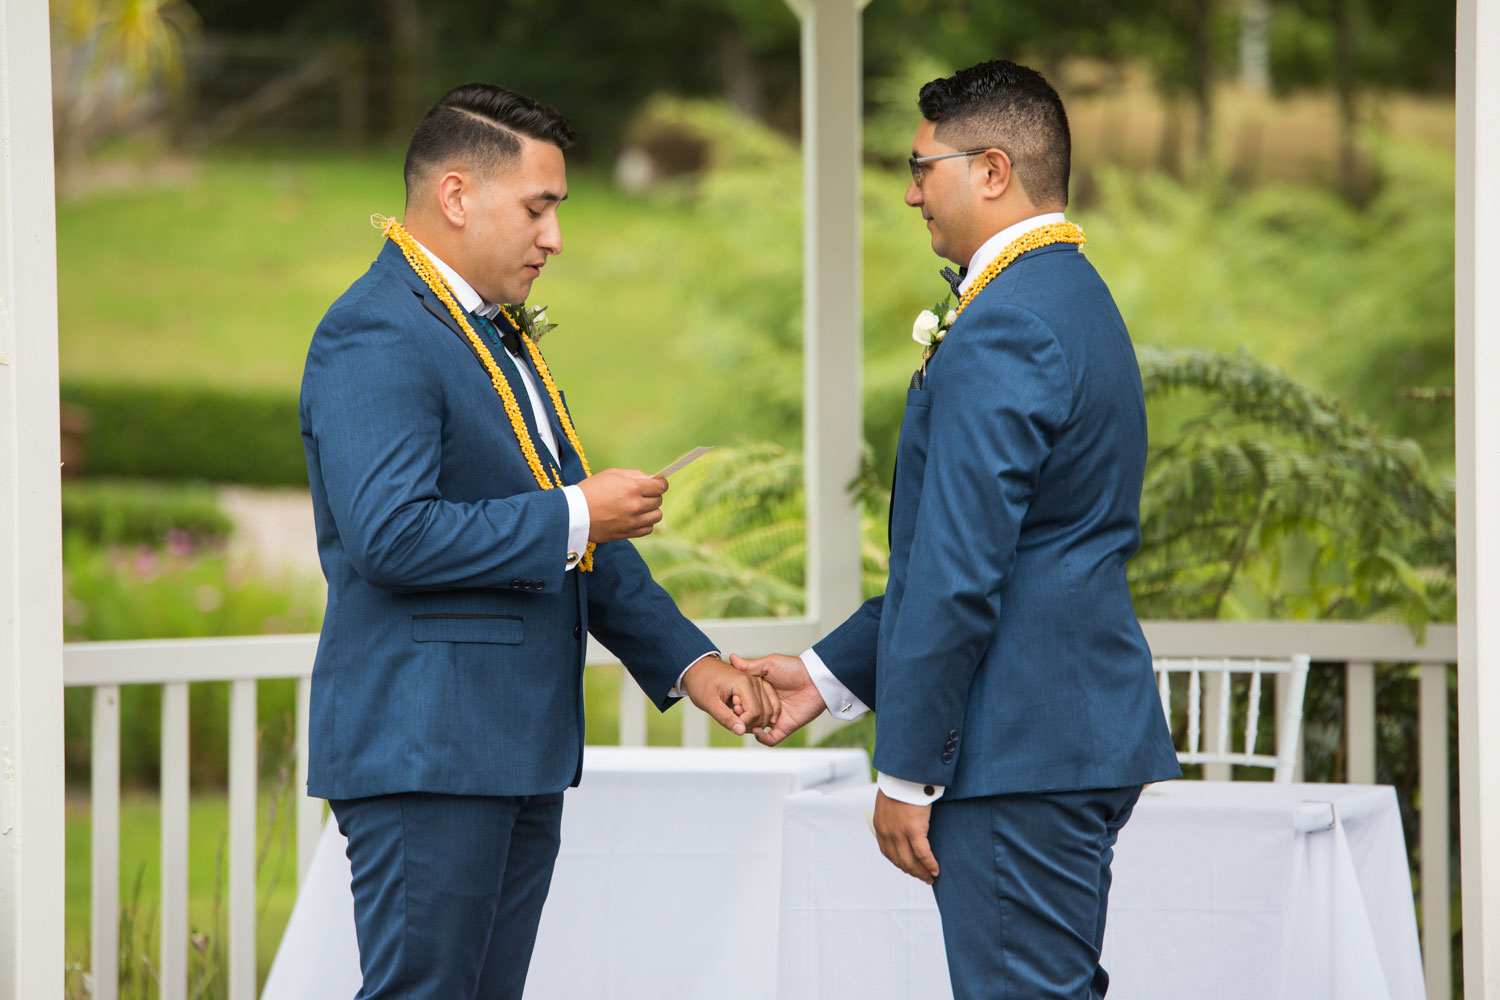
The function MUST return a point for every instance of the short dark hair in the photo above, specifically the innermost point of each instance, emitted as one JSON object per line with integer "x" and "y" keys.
{"x": 1003, "y": 105}
{"x": 477, "y": 124}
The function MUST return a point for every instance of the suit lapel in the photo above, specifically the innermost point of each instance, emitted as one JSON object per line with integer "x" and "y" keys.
{"x": 507, "y": 368}
{"x": 572, "y": 465}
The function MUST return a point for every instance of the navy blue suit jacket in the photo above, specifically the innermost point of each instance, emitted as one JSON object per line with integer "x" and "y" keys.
{"x": 451, "y": 657}
{"x": 1005, "y": 655}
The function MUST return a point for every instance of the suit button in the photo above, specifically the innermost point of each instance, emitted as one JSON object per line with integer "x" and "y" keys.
{"x": 950, "y": 746}
{"x": 578, "y": 631}
{"x": 953, "y": 734}
{"x": 516, "y": 584}
{"x": 948, "y": 757}
{"x": 928, "y": 790}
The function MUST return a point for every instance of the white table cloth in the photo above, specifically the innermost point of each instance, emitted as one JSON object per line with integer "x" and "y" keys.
{"x": 1235, "y": 891}
{"x": 666, "y": 882}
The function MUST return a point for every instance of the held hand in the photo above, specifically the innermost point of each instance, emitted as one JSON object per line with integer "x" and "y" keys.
{"x": 738, "y": 702}
{"x": 800, "y": 700}
{"x": 623, "y": 503}
{"x": 901, "y": 829}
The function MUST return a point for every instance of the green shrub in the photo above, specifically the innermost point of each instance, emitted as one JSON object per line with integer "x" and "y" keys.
{"x": 169, "y": 431}
{"x": 105, "y": 511}
{"x": 144, "y": 592}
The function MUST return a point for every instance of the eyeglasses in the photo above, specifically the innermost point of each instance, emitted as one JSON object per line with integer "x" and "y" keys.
{"x": 916, "y": 162}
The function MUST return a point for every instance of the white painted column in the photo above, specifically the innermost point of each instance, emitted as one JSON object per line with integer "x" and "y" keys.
{"x": 832, "y": 349}
{"x": 31, "y": 720}
{"x": 1477, "y": 369}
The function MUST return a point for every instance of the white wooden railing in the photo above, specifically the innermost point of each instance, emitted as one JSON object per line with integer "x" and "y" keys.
{"x": 176, "y": 663}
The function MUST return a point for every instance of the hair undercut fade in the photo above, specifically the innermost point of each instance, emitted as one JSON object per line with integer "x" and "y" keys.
{"x": 478, "y": 126}
{"x": 999, "y": 104}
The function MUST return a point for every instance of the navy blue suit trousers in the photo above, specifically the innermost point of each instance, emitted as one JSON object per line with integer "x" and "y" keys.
{"x": 448, "y": 890}
{"x": 1023, "y": 891}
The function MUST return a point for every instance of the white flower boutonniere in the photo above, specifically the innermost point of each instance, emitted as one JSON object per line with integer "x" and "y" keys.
{"x": 932, "y": 326}
{"x": 927, "y": 330}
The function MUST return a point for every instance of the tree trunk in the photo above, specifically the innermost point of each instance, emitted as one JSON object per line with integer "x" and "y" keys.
{"x": 1344, "y": 84}
{"x": 1255, "y": 46}
{"x": 1203, "y": 79}
{"x": 742, "y": 79}
{"x": 408, "y": 40}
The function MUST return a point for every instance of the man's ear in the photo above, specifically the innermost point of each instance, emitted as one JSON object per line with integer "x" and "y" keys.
{"x": 451, "y": 188}
{"x": 998, "y": 175}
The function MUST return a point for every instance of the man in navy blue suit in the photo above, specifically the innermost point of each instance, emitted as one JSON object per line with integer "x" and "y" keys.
{"x": 468, "y": 551}
{"x": 1017, "y": 717}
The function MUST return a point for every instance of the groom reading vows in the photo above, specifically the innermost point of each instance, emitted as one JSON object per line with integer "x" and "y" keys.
{"x": 468, "y": 550}
{"x": 1017, "y": 716}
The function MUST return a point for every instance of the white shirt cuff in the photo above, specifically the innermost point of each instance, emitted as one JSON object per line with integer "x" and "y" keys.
{"x": 677, "y": 691}
{"x": 842, "y": 703}
{"x": 909, "y": 791}
{"x": 578, "y": 524}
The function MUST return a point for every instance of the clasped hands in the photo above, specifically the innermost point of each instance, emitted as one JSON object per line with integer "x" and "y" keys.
{"x": 772, "y": 696}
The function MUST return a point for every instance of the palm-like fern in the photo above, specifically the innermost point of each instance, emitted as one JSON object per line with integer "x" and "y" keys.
{"x": 1271, "y": 499}
{"x": 733, "y": 543}
{"x": 1266, "y": 498}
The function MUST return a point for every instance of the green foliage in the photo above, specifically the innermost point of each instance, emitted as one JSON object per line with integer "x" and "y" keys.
{"x": 140, "y": 881}
{"x": 182, "y": 431}
{"x": 145, "y": 592}
{"x": 733, "y": 540}
{"x": 1359, "y": 302}
{"x": 131, "y": 512}
{"x": 1272, "y": 492}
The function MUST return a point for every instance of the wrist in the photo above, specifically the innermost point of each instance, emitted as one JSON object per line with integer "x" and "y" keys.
{"x": 693, "y": 668}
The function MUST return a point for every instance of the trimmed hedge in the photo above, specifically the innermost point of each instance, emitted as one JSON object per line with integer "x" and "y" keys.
{"x": 134, "y": 512}
{"x": 224, "y": 435}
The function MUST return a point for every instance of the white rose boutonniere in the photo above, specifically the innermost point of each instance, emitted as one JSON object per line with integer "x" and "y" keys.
{"x": 927, "y": 330}
{"x": 932, "y": 326}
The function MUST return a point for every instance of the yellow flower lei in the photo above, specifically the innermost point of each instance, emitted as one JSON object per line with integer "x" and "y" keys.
{"x": 425, "y": 269}
{"x": 1056, "y": 232}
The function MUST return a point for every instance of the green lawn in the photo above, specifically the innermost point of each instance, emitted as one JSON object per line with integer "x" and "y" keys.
{"x": 221, "y": 277}
{"x": 140, "y": 862}
{"x": 679, "y": 312}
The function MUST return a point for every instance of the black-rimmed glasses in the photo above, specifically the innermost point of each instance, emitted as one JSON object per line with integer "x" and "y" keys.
{"x": 916, "y": 162}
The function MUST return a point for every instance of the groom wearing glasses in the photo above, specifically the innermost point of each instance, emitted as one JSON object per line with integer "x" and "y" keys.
{"x": 1017, "y": 714}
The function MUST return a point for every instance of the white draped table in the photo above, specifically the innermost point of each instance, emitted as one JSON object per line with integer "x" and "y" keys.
{"x": 666, "y": 882}
{"x": 1235, "y": 891}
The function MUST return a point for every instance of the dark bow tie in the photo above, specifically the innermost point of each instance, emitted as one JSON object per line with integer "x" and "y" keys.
{"x": 953, "y": 278}
{"x": 507, "y": 336}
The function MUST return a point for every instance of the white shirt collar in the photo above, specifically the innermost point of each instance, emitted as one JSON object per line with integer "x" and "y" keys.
{"x": 462, "y": 290}
{"x": 990, "y": 248}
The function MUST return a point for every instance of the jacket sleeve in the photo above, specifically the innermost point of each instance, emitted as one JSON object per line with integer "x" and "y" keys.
{"x": 639, "y": 622}
{"x": 1001, "y": 394}
{"x": 372, "y": 425}
{"x": 849, "y": 650}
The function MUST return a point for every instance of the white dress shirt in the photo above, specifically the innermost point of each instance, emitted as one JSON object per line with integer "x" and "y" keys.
{"x": 578, "y": 507}
{"x": 843, "y": 703}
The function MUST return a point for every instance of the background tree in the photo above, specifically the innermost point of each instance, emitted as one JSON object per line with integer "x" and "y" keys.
{"x": 111, "y": 59}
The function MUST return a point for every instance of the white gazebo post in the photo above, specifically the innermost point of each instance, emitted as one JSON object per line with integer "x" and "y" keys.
{"x": 1477, "y": 370}
{"x": 31, "y": 684}
{"x": 832, "y": 351}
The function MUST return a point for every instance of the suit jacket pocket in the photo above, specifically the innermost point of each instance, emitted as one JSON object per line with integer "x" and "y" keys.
{"x": 918, "y": 397}
{"x": 507, "y": 629}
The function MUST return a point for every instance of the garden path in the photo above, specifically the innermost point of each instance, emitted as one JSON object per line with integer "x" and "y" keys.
{"x": 273, "y": 530}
